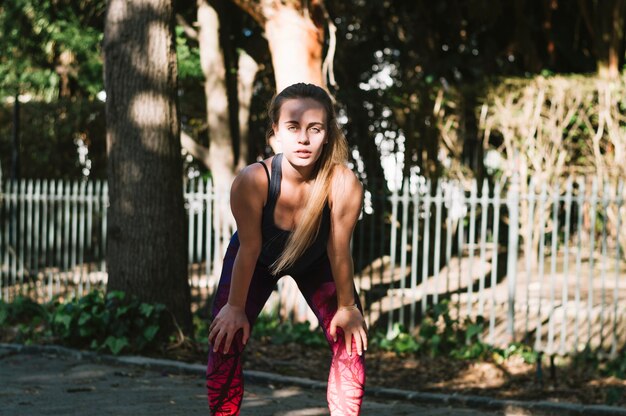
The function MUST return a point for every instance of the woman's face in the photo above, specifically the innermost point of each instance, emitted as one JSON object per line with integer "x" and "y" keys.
{"x": 301, "y": 130}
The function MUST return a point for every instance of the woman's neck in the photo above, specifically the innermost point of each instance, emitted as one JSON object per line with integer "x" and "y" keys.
{"x": 297, "y": 175}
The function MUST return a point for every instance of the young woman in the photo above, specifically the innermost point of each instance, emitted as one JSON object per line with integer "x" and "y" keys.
{"x": 295, "y": 215}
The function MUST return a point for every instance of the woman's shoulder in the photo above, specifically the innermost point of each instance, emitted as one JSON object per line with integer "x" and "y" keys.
{"x": 345, "y": 184}
{"x": 255, "y": 173}
{"x": 253, "y": 178}
{"x": 344, "y": 176}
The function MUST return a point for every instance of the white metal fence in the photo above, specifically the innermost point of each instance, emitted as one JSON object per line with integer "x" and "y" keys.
{"x": 540, "y": 263}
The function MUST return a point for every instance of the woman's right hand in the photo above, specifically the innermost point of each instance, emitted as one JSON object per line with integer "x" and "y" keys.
{"x": 228, "y": 321}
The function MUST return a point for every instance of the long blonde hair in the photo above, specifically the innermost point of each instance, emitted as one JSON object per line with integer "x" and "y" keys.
{"x": 334, "y": 152}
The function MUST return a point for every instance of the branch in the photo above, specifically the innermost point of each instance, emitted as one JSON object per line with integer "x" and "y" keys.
{"x": 195, "y": 149}
{"x": 328, "y": 71}
{"x": 189, "y": 30}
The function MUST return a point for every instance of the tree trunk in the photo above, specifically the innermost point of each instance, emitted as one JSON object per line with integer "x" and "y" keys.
{"x": 221, "y": 154}
{"x": 234, "y": 136}
{"x": 248, "y": 69}
{"x": 147, "y": 240}
{"x": 295, "y": 43}
{"x": 295, "y": 34}
{"x": 606, "y": 22}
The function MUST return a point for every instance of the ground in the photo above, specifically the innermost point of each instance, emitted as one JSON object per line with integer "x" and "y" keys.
{"x": 511, "y": 379}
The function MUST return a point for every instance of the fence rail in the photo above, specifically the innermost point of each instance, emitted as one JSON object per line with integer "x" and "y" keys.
{"x": 539, "y": 262}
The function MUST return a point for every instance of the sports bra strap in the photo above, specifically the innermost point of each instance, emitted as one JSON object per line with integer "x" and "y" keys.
{"x": 277, "y": 176}
{"x": 267, "y": 172}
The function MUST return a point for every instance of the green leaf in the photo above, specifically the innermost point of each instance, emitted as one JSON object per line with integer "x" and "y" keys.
{"x": 85, "y": 332}
{"x": 150, "y": 332}
{"x": 116, "y": 295}
{"x": 84, "y": 318}
{"x": 4, "y": 315}
{"x": 116, "y": 345}
{"x": 146, "y": 309}
{"x": 65, "y": 320}
{"x": 121, "y": 311}
{"x": 473, "y": 330}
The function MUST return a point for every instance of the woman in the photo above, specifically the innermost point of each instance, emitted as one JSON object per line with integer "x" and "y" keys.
{"x": 295, "y": 215}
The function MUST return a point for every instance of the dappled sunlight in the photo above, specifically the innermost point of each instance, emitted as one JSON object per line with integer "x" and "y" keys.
{"x": 476, "y": 375}
{"x": 516, "y": 411}
{"x": 158, "y": 32}
{"x": 284, "y": 393}
{"x": 146, "y": 111}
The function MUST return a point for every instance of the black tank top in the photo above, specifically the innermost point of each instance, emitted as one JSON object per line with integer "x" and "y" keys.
{"x": 274, "y": 238}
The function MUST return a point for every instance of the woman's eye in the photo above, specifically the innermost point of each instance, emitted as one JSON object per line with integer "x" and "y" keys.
{"x": 315, "y": 130}
{"x": 292, "y": 128}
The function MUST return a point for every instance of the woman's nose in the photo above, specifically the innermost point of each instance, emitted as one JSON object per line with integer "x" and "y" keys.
{"x": 303, "y": 137}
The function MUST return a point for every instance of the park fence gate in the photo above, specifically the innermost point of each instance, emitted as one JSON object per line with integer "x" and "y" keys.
{"x": 541, "y": 263}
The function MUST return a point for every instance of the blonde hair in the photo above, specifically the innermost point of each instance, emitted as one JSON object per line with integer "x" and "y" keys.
{"x": 334, "y": 152}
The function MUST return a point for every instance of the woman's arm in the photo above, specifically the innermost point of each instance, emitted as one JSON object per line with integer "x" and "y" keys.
{"x": 346, "y": 196}
{"x": 247, "y": 196}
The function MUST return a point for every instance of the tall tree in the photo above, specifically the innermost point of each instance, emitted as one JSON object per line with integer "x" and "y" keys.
{"x": 229, "y": 74}
{"x": 146, "y": 253}
{"x": 295, "y": 33}
{"x": 221, "y": 158}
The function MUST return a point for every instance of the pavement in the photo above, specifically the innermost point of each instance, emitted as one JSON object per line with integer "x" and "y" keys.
{"x": 41, "y": 380}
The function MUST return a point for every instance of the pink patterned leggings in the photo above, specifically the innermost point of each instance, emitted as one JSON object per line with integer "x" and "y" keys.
{"x": 224, "y": 373}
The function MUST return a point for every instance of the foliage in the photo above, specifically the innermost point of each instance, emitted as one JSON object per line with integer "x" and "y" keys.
{"x": 269, "y": 328}
{"x": 188, "y": 56}
{"x": 399, "y": 340}
{"x": 281, "y": 333}
{"x": 617, "y": 366}
{"x": 114, "y": 322}
{"x": 21, "y": 310}
{"x": 547, "y": 129}
{"x": 27, "y": 318}
{"x": 528, "y": 355}
{"x": 439, "y": 334}
{"x": 49, "y": 137}
{"x": 43, "y": 41}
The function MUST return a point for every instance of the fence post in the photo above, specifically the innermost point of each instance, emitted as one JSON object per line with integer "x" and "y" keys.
{"x": 513, "y": 201}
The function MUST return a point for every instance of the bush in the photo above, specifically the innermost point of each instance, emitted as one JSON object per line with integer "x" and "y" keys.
{"x": 23, "y": 320}
{"x": 281, "y": 333}
{"x": 113, "y": 323}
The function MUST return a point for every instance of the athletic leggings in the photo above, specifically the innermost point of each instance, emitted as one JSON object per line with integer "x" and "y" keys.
{"x": 224, "y": 374}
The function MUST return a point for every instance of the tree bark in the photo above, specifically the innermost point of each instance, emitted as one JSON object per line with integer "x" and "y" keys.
{"x": 248, "y": 69}
{"x": 295, "y": 34}
{"x": 221, "y": 154}
{"x": 239, "y": 95}
{"x": 146, "y": 233}
{"x": 295, "y": 43}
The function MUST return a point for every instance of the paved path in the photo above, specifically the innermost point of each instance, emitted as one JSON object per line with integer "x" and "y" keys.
{"x": 51, "y": 384}
{"x": 47, "y": 381}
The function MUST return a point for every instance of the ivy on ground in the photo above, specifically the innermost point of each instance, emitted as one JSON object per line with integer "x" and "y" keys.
{"x": 111, "y": 323}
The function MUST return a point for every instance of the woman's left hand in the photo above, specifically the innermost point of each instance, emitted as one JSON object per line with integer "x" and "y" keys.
{"x": 351, "y": 321}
